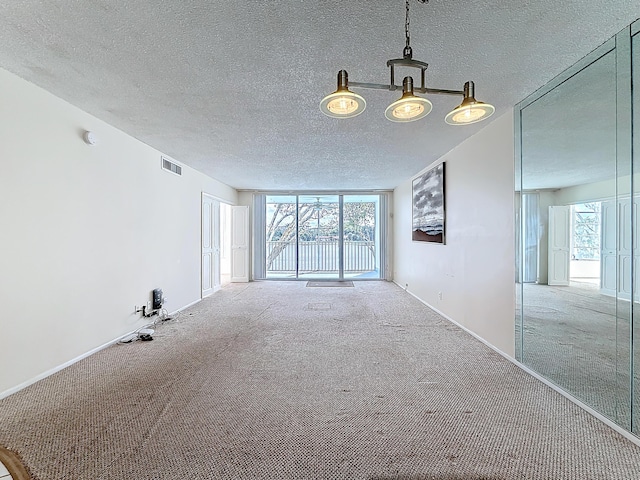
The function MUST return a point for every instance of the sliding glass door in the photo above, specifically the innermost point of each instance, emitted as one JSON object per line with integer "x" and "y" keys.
{"x": 361, "y": 236}
{"x": 319, "y": 236}
{"x": 281, "y": 234}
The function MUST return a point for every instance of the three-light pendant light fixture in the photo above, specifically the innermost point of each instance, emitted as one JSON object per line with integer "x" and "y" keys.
{"x": 344, "y": 103}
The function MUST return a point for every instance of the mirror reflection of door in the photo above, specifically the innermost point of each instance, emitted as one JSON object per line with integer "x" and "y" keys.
{"x": 559, "y": 241}
{"x": 608, "y": 256}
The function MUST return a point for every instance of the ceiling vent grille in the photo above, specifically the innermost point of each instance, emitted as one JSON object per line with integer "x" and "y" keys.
{"x": 169, "y": 166}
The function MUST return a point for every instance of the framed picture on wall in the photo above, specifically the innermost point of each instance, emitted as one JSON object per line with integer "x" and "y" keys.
{"x": 428, "y": 206}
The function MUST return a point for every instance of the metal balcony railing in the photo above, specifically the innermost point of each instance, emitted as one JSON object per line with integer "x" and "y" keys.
{"x": 320, "y": 256}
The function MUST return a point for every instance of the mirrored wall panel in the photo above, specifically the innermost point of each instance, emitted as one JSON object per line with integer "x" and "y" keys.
{"x": 635, "y": 125}
{"x": 577, "y": 238}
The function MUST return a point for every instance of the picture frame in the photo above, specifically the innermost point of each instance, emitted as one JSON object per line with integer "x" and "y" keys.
{"x": 428, "y": 206}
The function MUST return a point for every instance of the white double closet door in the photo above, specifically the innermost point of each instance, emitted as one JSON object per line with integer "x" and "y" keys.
{"x": 619, "y": 230}
{"x": 212, "y": 232}
{"x": 619, "y": 239}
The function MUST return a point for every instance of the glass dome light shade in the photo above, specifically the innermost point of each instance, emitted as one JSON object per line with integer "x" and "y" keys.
{"x": 409, "y": 108}
{"x": 470, "y": 113}
{"x": 342, "y": 103}
{"x": 470, "y": 110}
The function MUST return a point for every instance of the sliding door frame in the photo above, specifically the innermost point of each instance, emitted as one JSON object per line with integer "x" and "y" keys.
{"x": 259, "y": 231}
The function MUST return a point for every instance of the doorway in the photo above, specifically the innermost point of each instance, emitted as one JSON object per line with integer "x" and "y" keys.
{"x": 216, "y": 244}
{"x": 586, "y": 245}
{"x": 225, "y": 244}
{"x": 318, "y": 242}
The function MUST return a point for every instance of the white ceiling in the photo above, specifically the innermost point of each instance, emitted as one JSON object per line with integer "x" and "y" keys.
{"x": 232, "y": 88}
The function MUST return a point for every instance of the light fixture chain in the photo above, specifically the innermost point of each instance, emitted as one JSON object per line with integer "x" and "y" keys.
{"x": 406, "y": 25}
{"x": 406, "y": 22}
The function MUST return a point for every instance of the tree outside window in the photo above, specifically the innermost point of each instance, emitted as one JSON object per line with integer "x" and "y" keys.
{"x": 586, "y": 231}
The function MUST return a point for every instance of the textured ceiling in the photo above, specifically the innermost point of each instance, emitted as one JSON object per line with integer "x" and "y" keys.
{"x": 569, "y": 134}
{"x": 232, "y": 88}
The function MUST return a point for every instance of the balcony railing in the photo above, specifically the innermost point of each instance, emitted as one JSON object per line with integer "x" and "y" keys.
{"x": 320, "y": 256}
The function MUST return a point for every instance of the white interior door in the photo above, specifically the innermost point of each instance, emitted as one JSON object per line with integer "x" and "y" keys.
{"x": 207, "y": 246}
{"x": 618, "y": 218}
{"x": 634, "y": 253}
{"x": 217, "y": 283}
{"x": 240, "y": 244}
{"x": 608, "y": 241}
{"x": 225, "y": 243}
{"x": 210, "y": 245}
{"x": 626, "y": 221}
{"x": 624, "y": 251}
{"x": 559, "y": 245}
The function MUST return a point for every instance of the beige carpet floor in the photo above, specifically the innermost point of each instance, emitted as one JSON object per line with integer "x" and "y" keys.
{"x": 274, "y": 380}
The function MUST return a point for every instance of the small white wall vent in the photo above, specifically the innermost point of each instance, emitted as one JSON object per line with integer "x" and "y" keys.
{"x": 169, "y": 166}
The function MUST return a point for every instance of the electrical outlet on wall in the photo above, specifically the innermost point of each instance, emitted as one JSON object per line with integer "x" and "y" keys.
{"x": 439, "y": 295}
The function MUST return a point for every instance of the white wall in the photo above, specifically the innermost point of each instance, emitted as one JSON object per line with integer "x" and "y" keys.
{"x": 475, "y": 269}
{"x": 591, "y": 192}
{"x": 85, "y": 232}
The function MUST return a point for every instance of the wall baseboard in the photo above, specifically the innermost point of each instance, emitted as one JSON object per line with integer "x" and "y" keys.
{"x": 186, "y": 306}
{"x": 47, "y": 373}
{"x": 51, "y": 371}
{"x": 628, "y": 435}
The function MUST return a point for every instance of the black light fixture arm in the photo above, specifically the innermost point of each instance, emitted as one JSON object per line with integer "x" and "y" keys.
{"x": 392, "y": 87}
{"x": 407, "y": 61}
